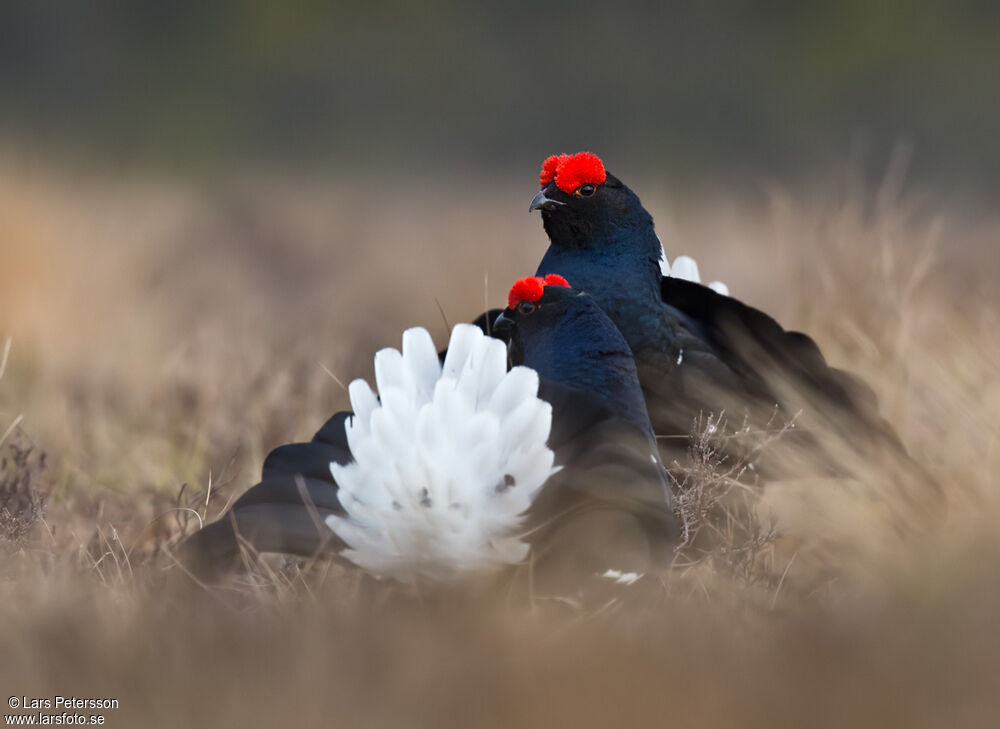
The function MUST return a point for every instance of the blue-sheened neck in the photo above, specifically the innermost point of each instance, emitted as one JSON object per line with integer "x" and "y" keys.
{"x": 618, "y": 264}
{"x": 585, "y": 350}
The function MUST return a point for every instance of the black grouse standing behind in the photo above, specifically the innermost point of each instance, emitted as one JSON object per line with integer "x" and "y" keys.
{"x": 700, "y": 352}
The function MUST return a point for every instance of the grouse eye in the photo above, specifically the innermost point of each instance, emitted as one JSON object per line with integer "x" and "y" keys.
{"x": 525, "y": 307}
{"x": 586, "y": 190}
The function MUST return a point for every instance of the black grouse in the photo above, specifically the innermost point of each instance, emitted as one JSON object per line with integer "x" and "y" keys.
{"x": 464, "y": 466}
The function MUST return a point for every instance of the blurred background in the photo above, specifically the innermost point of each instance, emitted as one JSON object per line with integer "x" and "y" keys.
{"x": 695, "y": 91}
{"x": 213, "y": 213}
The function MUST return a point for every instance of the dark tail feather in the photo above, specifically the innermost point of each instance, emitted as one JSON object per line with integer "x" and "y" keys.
{"x": 311, "y": 460}
{"x": 283, "y": 513}
{"x": 286, "y": 528}
{"x": 485, "y": 321}
{"x": 292, "y": 490}
{"x": 332, "y": 432}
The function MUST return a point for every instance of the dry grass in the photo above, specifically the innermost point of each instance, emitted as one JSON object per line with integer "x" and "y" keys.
{"x": 165, "y": 335}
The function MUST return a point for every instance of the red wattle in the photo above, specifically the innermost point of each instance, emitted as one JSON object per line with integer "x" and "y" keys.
{"x": 554, "y": 279}
{"x": 530, "y": 288}
{"x": 579, "y": 169}
{"x": 549, "y": 167}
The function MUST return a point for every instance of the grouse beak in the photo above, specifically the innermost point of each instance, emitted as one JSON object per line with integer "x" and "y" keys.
{"x": 502, "y": 327}
{"x": 540, "y": 202}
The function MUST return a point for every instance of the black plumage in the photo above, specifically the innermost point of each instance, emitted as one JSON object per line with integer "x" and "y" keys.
{"x": 699, "y": 352}
{"x": 608, "y": 508}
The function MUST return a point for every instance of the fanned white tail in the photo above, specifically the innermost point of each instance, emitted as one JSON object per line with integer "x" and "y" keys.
{"x": 686, "y": 268}
{"x": 446, "y": 460}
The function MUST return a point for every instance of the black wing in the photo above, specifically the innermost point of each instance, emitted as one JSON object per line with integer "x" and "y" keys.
{"x": 840, "y": 430}
{"x": 766, "y": 356}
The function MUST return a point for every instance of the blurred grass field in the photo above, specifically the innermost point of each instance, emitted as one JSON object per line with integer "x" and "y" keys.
{"x": 164, "y": 334}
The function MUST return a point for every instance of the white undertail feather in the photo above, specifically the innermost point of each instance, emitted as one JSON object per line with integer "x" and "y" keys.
{"x": 686, "y": 268}
{"x": 446, "y": 460}
{"x": 622, "y": 578}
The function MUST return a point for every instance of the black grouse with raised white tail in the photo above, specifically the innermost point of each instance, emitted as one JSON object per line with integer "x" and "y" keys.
{"x": 463, "y": 466}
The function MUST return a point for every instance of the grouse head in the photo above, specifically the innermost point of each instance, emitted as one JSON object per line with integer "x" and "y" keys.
{"x": 564, "y": 335}
{"x": 536, "y": 309}
{"x": 582, "y": 204}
